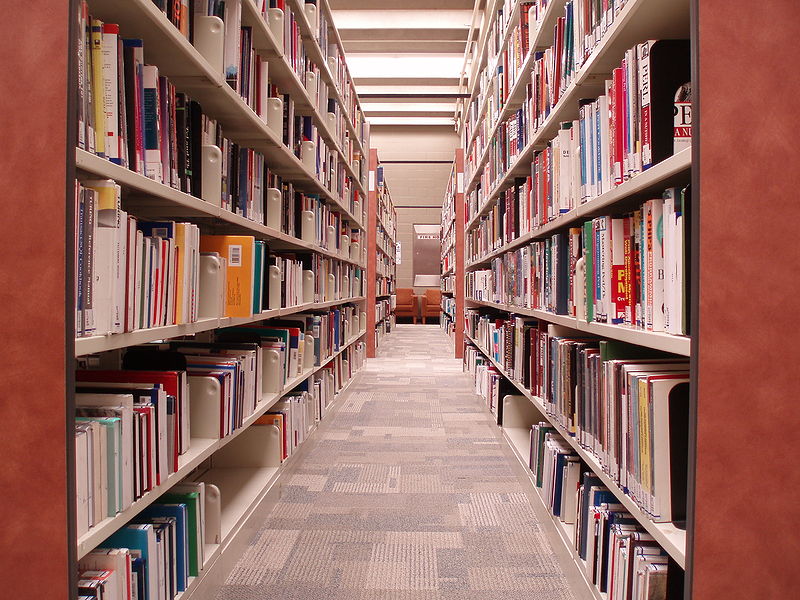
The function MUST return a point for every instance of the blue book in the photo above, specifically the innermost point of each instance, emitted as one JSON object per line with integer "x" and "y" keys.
{"x": 178, "y": 512}
{"x": 161, "y": 229}
{"x": 594, "y": 495}
{"x": 242, "y": 204}
{"x": 561, "y": 460}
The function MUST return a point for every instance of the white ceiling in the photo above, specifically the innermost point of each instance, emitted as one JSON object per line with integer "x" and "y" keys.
{"x": 405, "y": 56}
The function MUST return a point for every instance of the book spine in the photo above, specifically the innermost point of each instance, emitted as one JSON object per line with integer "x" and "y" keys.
{"x": 151, "y": 123}
{"x": 110, "y": 91}
{"x": 90, "y": 227}
{"x": 646, "y": 126}
{"x": 97, "y": 87}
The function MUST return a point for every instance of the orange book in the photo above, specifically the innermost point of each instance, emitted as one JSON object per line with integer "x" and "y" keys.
{"x": 277, "y": 420}
{"x": 239, "y": 250}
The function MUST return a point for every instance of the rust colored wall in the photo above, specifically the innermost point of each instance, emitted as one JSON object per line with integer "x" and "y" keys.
{"x": 746, "y": 543}
{"x": 33, "y": 474}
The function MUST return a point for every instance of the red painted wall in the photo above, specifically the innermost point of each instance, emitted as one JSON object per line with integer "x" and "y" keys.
{"x": 746, "y": 542}
{"x": 33, "y": 479}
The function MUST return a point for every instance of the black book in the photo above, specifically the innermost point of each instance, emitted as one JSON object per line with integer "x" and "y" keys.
{"x": 664, "y": 66}
{"x": 194, "y": 121}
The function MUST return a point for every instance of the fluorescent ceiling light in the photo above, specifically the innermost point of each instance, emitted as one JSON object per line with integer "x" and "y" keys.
{"x": 402, "y": 19}
{"x": 416, "y": 65}
{"x": 411, "y": 121}
{"x": 409, "y": 106}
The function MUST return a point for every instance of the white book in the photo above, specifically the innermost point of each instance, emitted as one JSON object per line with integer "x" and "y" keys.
{"x": 606, "y": 179}
{"x": 171, "y": 283}
{"x": 564, "y": 197}
{"x": 116, "y": 560}
{"x": 152, "y": 124}
{"x": 120, "y": 271}
{"x": 120, "y": 405}
{"x": 110, "y": 97}
{"x": 263, "y": 80}
{"x": 670, "y": 267}
{"x": 661, "y": 497}
{"x": 658, "y": 265}
{"x": 82, "y": 478}
{"x": 137, "y": 281}
{"x": 231, "y": 51}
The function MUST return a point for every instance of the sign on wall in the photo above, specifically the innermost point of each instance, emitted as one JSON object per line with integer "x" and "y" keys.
{"x": 427, "y": 249}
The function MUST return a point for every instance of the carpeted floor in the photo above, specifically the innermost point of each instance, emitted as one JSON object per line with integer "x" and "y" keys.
{"x": 407, "y": 494}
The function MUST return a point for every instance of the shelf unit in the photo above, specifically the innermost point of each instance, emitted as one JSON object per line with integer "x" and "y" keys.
{"x": 244, "y": 487}
{"x": 381, "y": 257}
{"x": 481, "y": 119}
{"x": 452, "y": 240}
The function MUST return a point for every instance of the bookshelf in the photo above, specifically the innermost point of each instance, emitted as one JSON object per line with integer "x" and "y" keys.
{"x": 302, "y": 192}
{"x": 381, "y": 256}
{"x": 525, "y": 232}
{"x": 452, "y": 236}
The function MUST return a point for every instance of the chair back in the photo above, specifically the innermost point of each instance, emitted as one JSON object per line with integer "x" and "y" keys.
{"x": 434, "y": 297}
{"x": 405, "y": 296}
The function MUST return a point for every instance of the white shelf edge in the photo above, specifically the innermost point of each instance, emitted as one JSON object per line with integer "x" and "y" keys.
{"x": 114, "y": 341}
{"x": 666, "y": 342}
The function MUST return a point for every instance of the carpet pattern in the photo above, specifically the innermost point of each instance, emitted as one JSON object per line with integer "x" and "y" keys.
{"x": 406, "y": 494}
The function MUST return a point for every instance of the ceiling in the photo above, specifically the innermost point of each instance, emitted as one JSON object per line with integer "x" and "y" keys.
{"x": 406, "y": 56}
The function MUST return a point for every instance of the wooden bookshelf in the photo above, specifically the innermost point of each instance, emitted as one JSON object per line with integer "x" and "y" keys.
{"x": 381, "y": 256}
{"x": 482, "y": 121}
{"x": 452, "y": 239}
{"x": 245, "y": 486}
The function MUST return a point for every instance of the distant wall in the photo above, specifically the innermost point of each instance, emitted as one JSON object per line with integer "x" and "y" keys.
{"x": 414, "y": 184}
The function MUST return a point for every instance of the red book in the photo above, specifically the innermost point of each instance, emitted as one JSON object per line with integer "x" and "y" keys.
{"x": 148, "y": 435}
{"x": 174, "y": 384}
{"x": 619, "y": 124}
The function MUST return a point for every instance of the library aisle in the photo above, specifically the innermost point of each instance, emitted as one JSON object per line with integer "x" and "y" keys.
{"x": 406, "y": 493}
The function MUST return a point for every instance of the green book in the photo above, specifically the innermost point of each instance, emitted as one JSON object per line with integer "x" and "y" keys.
{"x": 258, "y": 277}
{"x": 192, "y": 502}
{"x": 541, "y": 434}
{"x": 588, "y": 256}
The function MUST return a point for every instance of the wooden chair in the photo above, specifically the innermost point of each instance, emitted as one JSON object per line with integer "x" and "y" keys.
{"x": 431, "y": 304}
{"x": 406, "y": 305}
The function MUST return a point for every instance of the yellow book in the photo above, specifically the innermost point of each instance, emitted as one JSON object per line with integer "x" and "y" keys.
{"x": 239, "y": 251}
{"x": 100, "y": 131}
{"x": 644, "y": 438}
{"x": 181, "y": 312}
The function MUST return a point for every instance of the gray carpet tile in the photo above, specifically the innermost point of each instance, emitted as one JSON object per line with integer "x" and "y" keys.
{"x": 406, "y": 494}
